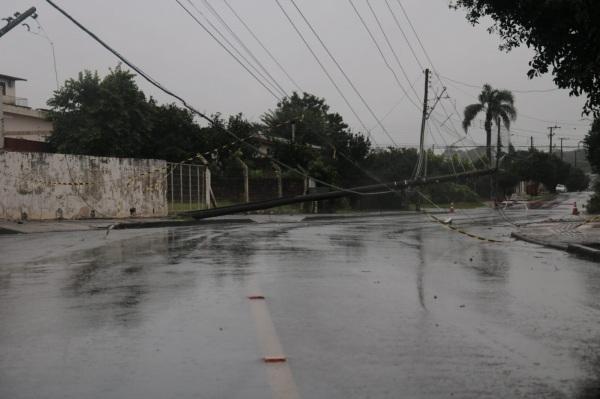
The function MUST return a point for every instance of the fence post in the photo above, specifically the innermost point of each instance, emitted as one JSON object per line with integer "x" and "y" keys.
{"x": 205, "y": 181}
{"x": 199, "y": 190}
{"x": 172, "y": 171}
{"x": 190, "y": 186}
{"x": 246, "y": 182}
{"x": 279, "y": 180}
{"x": 181, "y": 184}
{"x": 207, "y": 188}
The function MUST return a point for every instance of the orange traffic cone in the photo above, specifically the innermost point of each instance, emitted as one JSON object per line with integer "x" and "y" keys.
{"x": 452, "y": 207}
{"x": 575, "y": 210}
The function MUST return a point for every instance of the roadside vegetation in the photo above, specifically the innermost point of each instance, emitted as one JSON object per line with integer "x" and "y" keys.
{"x": 111, "y": 116}
{"x": 565, "y": 40}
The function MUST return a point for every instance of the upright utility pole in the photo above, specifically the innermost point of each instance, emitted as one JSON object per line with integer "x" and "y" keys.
{"x": 12, "y": 22}
{"x": 498, "y": 144}
{"x": 531, "y": 140}
{"x": 422, "y": 156}
{"x": 552, "y": 134}
{"x": 423, "y": 123}
{"x": 561, "y": 147}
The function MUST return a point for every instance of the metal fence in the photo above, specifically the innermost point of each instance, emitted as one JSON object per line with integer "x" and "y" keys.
{"x": 188, "y": 187}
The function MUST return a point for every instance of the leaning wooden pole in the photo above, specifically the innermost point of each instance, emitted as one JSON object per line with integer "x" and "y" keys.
{"x": 349, "y": 192}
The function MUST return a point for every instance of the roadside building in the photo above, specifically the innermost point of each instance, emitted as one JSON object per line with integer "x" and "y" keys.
{"x": 20, "y": 120}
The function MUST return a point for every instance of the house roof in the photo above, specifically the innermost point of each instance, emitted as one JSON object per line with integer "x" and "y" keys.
{"x": 8, "y": 77}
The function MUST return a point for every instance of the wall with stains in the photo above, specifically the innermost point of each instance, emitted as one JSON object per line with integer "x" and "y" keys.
{"x": 42, "y": 186}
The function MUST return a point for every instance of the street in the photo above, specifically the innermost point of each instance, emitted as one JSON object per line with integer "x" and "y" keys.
{"x": 367, "y": 307}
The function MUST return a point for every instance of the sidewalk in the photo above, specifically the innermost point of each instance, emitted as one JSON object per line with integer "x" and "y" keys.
{"x": 573, "y": 235}
{"x": 50, "y": 226}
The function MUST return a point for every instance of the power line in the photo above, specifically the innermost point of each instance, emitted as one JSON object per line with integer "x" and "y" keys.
{"x": 42, "y": 33}
{"x": 387, "y": 64}
{"x": 408, "y": 19}
{"x": 342, "y": 71}
{"x": 241, "y": 43}
{"x": 526, "y": 116}
{"x": 417, "y": 36}
{"x": 387, "y": 40}
{"x": 227, "y": 49}
{"x": 512, "y": 90}
{"x": 404, "y": 34}
{"x": 316, "y": 57}
{"x": 159, "y": 86}
{"x": 262, "y": 45}
{"x": 387, "y": 114}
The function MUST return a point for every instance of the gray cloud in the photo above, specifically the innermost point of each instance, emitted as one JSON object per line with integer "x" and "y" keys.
{"x": 170, "y": 46}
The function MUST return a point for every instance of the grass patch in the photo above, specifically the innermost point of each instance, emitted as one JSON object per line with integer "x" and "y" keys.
{"x": 543, "y": 197}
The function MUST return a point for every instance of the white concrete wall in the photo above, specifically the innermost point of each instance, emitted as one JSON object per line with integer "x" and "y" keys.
{"x": 41, "y": 185}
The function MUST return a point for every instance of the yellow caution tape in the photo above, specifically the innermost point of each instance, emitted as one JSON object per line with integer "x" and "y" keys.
{"x": 463, "y": 232}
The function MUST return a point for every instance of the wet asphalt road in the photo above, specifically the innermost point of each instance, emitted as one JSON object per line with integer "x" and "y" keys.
{"x": 383, "y": 307}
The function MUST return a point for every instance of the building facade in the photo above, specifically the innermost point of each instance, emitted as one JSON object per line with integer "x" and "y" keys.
{"x": 20, "y": 120}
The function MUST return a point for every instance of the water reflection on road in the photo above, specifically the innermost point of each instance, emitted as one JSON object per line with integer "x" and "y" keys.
{"x": 375, "y": 307}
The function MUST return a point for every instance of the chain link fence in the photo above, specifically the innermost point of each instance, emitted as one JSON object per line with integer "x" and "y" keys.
{"x": 188, "y": 187}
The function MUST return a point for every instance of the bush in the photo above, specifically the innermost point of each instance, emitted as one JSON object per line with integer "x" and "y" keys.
{"x": 593, "y": 205}
{"x": 577, "y": 180}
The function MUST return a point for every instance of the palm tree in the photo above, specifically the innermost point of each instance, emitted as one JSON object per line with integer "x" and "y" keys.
{"x": 499, "y": 108}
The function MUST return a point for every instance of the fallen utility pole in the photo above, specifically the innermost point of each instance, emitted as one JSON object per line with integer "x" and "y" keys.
{"x": 350, "y": 192}
{"x": 16, "y": 20}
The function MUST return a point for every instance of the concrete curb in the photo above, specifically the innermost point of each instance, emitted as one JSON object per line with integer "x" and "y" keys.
{"x": 577, "y": 249}
{"x": 585, "y": 251}
{"x": 4, "y": 230}
{"x": 549, "y": 244}
{"x": 358, "y": 216}
{"x": 176, "y": 223}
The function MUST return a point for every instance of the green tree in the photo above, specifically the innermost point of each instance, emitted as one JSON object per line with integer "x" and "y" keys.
{"x": 221, "y": 148}
{"x": 498, "y": 107}
{"x": 174, "y": 135}
{"x": 111, "y": 116}
{"x": 93, "y": 116}
{"x": 563, "y": 34}
{"x": 544, "y": 168}
{"x": 592, "y": 146}
{"x": 321, "y": 141}
{"x": 393, "y": 163}
{"x": 577, "y": 180}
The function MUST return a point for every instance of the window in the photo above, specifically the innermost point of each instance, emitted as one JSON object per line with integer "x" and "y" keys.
{"x": 3, "y": 88}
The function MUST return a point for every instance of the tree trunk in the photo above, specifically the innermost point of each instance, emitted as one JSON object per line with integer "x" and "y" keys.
{"x": 488, "y": 140}
{"x": 488, "y": 150}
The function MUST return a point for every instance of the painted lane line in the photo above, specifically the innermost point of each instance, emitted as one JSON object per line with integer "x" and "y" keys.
{"x": 278, "y": 370}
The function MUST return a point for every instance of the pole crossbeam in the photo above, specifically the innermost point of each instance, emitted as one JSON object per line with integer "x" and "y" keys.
{"x": 16, "y": 20}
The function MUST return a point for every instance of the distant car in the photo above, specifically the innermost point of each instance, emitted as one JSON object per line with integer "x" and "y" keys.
{"x": 560, "y": 188}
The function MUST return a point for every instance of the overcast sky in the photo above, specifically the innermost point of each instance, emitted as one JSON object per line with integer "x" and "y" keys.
{"x": 169, "y": 45}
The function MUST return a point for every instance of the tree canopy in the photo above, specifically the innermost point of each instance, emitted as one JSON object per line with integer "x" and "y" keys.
{"x": 498, "y": 107}
{"x": 111, "y": 116}
{"x": 323, "y": 142}
{"x": 563, "y": 34}
{"x": 94, "y": 116}
{"x": 592, "y": 146}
